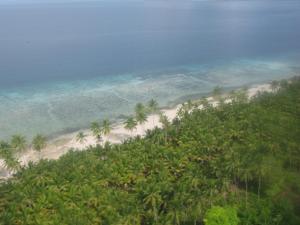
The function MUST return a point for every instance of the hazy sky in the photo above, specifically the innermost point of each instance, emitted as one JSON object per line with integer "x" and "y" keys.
{"x": 66, "y": 1}
{"x": 51, "y": 1}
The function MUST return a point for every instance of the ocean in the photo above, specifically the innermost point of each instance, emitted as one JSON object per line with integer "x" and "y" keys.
{"x": 64, "y": 65}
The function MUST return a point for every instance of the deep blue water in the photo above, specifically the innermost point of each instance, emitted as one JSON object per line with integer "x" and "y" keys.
{"x": 65, "y": 65}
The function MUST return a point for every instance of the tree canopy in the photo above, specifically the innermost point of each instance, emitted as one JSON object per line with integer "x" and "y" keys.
{"x": 238, "y": 163}
{"x": 18, "y": 142}
{"x": 39, "y": 142}
{"x": 130, "y": 123}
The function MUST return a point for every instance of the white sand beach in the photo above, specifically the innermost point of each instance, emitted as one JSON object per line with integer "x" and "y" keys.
{"x": 62, "y": 144}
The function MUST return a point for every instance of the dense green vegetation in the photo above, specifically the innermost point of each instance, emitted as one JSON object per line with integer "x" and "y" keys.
{"x": 10, "y": 151}
{"x": 238, "y": 163}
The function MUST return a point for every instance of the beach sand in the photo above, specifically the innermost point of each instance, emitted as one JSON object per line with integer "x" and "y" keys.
{"x": 62, "y": 144}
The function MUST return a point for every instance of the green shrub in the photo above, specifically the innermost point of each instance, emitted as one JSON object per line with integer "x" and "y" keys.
{"x": 221, "y": 216}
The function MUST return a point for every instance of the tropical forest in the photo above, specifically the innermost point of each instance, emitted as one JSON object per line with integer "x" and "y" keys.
{"x": 234, "y": 164}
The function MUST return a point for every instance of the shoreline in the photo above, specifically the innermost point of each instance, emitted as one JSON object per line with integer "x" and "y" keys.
{"x": 170, "y": 105}
{"x": 64, "y": 107}
{"x": 60, "y": 145}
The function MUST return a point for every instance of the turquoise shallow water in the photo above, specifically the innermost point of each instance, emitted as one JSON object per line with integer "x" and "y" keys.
{"x": 62, "y": 107}
{"x": 65, "y": 65}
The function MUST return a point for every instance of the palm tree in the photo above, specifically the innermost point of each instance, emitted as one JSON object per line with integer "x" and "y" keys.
{"x": 163, "y": 119}
{"x": 4, "y": 145}
{"x": 152, "y": 201}
{"x": 18, "y": 142}
{"x": 283, "y": 83}
{"x": 39, "y": 142}
{"x": 96, "y": 130}
{"x": 141, "y": 118}
{"x": 106, "y": 127}
{"x": 189, "y": 105}
{"x": 5, "y": 149}
{"x": 217, "y": 92}
{"x": 140, "y": 113}
{"x": 242, "y": 96}
{"x": 130, "y": 124}
{"x": 81, "y": 137}
{"x": 6, "y": 154}
{"x": 204, "y": 103}
{"x": 184, "y": 110}
{"x": 139, "y": 107}
{"x": 11, "y": 163}
{"x": 153, "y": 107}
{"x": 274, "y": 85}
